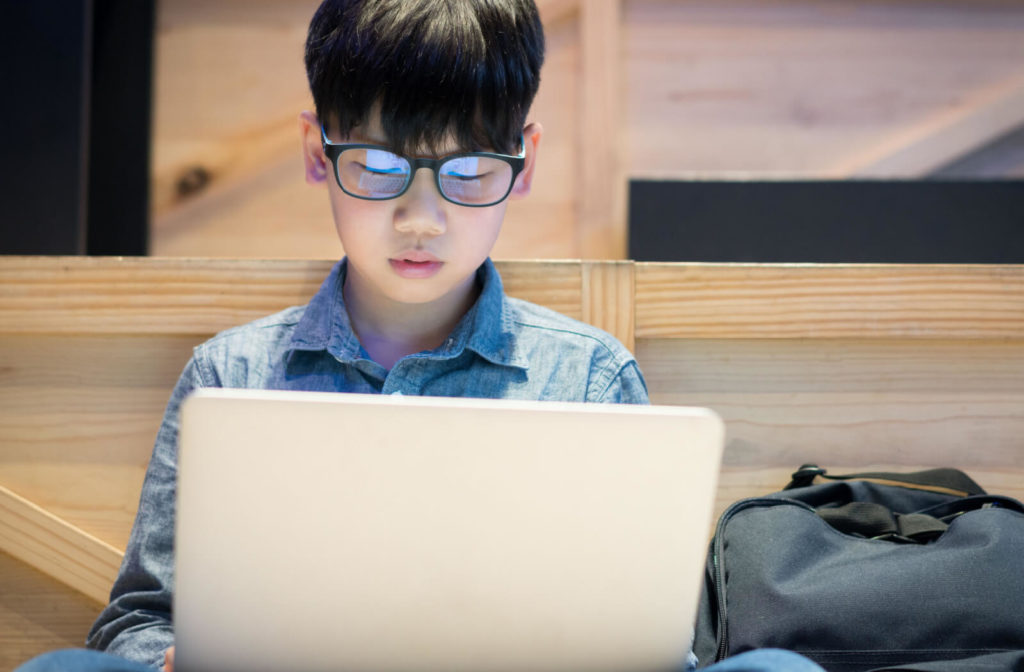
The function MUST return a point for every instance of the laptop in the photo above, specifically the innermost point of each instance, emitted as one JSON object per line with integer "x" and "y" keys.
{"x": 404, "y": 534}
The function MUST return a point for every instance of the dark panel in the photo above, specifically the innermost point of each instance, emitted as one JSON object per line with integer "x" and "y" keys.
{"x": 76, "y": 81}
{"x": 44, "y": 48}
{"x": 119, "y": 140}
{"x": 828, "y": 221}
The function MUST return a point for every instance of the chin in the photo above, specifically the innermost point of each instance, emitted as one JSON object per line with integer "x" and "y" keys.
{"x": 412, "y": 294}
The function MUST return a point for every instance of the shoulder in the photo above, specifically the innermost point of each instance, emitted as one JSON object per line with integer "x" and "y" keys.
{"x": 533, "y": 321}
{"x": 245, "y": 355}
{"x": 568, "y": 349}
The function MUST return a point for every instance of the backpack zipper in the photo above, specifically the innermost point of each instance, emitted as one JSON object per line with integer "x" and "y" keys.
{"x": 721, "y": 627}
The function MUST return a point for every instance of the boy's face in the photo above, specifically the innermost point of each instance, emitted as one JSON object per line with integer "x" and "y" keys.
{"x": 418, "y": 247}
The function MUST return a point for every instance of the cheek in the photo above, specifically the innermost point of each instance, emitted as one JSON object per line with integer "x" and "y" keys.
{"x": 354, "y": 219}
{"x": 480, "y": 229}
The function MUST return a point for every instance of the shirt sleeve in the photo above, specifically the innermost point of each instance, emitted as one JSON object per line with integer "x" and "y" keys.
{"x": 136, "y": 624}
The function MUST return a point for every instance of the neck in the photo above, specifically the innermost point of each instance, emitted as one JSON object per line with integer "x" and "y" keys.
{"x": 389, "y": 330}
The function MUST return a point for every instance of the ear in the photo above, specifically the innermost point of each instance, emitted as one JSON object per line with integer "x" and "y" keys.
{"x": 531, "y": 140}
{"x": 313, "y": 157}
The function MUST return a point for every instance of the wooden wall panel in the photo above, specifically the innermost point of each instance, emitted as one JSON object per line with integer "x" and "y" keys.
{"x": 853, "y": 366}
{"x": 78, "y": 419}
{"x": 850, "y": 405}
{"x": 829, "y": 301}
{"x": 798, "y": 88}
{"x": 680, "y": 88}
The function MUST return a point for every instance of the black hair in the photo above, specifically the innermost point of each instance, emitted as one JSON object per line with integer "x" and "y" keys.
{"x": 464, "y": 68}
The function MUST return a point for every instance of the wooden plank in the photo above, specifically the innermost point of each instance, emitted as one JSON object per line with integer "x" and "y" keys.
{"x": 608, "y": 290}
{"x": 951, "y": 428}
{"x": 148, "y": 296}
{"x": 554, "y": 284}
{"x": 601, "y": 224}
{"x": 99, "y": 499}
{"x": 78, "y": 415}
{"x": 57, "y": 548}
{"x": 779, "y": 367}
{"x": 199, "y": 297}
{"x": 946, "y": 402}
{"x": 829, "y": 301}
{"x": 850, "y": 404}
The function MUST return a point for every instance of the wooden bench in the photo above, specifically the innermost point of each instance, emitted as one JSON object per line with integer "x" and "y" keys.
{"x": 849, "y": 366}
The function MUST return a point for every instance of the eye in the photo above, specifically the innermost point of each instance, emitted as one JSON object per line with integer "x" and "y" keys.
{"x": 464, "y": 178}
{"x": 380, "y": 171}
{"x": 382, "y": 162}
{"x": 464, "y": 168}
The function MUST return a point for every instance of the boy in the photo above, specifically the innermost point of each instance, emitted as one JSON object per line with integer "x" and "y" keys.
{"x": 419, "y": 136}
{"x": 416, "y": 307}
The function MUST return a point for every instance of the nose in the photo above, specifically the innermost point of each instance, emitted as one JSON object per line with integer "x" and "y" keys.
{"x": 421, "y": 210}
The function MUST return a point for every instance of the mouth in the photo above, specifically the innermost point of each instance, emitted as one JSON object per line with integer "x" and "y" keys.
{"x": 415, "y": 264}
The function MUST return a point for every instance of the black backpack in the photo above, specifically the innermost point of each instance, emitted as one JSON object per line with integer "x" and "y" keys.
{"x": 870, "y": 572}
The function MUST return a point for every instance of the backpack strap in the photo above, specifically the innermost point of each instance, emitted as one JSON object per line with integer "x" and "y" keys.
{"x": 946, "y": 480}
{"x": 919, "y": 527}
{"x": 875, "y": 521}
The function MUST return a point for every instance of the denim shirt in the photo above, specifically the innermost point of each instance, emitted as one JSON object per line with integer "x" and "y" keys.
{"x": 502, "y": 348}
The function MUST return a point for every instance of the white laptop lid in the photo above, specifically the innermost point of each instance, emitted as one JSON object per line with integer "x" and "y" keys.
{"x": 349, "y": 532}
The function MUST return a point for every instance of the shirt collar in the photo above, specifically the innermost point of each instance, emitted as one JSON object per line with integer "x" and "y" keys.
{"x": 325, "y": 325}
{"x": 488, "y": 328}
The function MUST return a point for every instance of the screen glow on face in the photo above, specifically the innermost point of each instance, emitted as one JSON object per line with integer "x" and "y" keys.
{"x": 381, "y": 161}
{"x": 471, "y": 178}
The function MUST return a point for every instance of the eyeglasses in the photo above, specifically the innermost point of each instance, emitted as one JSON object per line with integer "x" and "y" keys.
{"x": 375, "y": 173}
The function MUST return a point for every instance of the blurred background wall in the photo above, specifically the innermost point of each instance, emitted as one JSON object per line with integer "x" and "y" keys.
{"x": 705, "y": 90}
{"x": 714, "y": 89}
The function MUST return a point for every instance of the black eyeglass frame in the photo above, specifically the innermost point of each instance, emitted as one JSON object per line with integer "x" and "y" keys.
{"x": 334, "y": 149}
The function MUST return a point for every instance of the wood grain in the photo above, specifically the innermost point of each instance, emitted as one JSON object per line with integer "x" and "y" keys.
{"x": 197, "y": 296}
{"x": 791, "y": 88}
{"x": 608, "y": 290}
{"x": 946, "y": 136}
{"x": 713, "y": 88}
{"x": 829, "y": 301}
{"x": 602, "y": 186}
{"x": 57, "y": 548}
{"x": 850, "y": 404}
{"x": 850, "y": 366}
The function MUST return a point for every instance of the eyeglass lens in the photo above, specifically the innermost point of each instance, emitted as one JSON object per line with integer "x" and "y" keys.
{"x": 376, "y": 173}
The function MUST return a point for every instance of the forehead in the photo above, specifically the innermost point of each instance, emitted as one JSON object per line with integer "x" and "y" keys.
{"x": 372, "y": 132}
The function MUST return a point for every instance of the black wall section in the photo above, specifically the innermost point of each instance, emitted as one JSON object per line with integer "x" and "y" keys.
{"x": 926, "y": 221}
{"x": 76, "y": 81}
{"x": 44, "y": 51}
{"x": 119, "y": 138}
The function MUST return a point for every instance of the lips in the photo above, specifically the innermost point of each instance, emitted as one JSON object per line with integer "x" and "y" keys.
{"x": 416, "y": 256}
{"x": 415, "y": 264}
